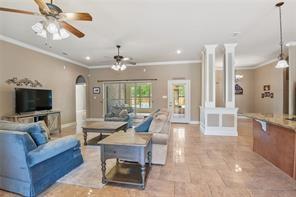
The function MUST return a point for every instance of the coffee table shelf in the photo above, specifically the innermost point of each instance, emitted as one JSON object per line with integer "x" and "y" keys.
{"x": 126, "y": 173}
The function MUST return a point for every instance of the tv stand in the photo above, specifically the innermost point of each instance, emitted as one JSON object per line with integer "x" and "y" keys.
{"x": 52, "y": 119}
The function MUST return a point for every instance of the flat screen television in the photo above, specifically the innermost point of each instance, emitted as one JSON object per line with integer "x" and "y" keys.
{"x": 29, "y": 100}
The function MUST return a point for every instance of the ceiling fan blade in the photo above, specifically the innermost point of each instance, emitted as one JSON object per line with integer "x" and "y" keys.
{"x": 127, "y": 59}
{"x": 77, "y": 16}
{"x": 71, "y": 29}
{"x": 129, "y": 62}
{"x": 19, "y": 11}
{"x": 42, "y": 6}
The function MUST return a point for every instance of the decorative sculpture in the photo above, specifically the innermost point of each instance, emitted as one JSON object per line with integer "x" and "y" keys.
{"x": 24, "y": 82}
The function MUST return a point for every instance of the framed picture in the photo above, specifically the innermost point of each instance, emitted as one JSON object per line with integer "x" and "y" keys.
{"x": 271, "y": 95}
{"x": 262, "y": 95}
{"x": 266, "y": 87}
{"x": 96, "y": 90}
{"x": 267, "y": 94}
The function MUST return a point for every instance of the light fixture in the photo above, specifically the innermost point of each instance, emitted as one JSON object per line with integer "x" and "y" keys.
{"x": 123, "y": 67}
{"x": 282, "y": 63}
{"x": 118, "y": 66}
{"x": 179, "y": 51}
{"x": 87, "y": 58}
{"x": 238, "y": 77}
{"x": 64, "y": 34}
{"x": 43, "y": 34}
{"x": 51, "y": 30}
{"x": 37, "y": 28}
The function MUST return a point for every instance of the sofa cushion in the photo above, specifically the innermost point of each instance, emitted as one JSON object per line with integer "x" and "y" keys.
{"x": 34, "y": 129}
{"x": 144, "y": 126}
{"x": 51, "y": 149}
{"x": 160, "y": 138}
{"x": 116, "y": 110}
{"x": 158, "y": 122}
{"x": 123, "y": 113}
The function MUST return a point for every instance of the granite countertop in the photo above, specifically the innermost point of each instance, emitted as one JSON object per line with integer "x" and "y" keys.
{"x": 276, "y": 119}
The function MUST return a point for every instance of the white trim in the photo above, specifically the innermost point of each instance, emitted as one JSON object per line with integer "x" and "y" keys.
{"x": 290, "y": 44}
{"x": 95, "y": 119}
{"x": 153, "y": 64}
{"x": 33, "y": 48}
{"x": 265, "y": 63}
{"x": 68, "y": 125}
{"x": 194, "y": 122}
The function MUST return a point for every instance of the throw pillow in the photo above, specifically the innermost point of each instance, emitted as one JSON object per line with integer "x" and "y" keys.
{"x": 144, "y": 126}
{"x": 33, "y": 129}
{"x": 157, "y": 123}
{"x": 123, "y": 113}
{"x": 45, "y": 128}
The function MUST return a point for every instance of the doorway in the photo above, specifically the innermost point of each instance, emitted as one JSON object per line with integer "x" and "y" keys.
{"x": 80, "y": 93}
{"x": 179, "y": 100}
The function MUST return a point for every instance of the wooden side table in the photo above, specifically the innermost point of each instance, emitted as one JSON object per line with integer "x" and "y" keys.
{"x": 135, "y": 150}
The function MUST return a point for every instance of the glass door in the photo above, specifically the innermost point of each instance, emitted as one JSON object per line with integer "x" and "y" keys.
{"x": 179, "y": 100}
{"x": 132, "y": 95}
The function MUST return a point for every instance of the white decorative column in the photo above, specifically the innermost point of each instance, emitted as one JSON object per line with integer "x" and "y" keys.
{"x": 209, "y": 85}
{"x": 229, "y": 75}
{"x": 221, "y": 121}
{"x": 292, "y": 77}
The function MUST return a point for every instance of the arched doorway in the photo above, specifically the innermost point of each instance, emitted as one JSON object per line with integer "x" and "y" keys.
{"x": 80, "y": 91}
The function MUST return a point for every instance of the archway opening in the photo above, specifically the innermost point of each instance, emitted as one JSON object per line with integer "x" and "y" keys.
{"x": 80, "y": 93}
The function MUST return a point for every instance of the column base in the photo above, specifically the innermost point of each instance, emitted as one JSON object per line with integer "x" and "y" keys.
{"x": 218, "y": 121}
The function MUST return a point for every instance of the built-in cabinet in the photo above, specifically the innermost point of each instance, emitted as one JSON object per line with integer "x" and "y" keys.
{"x": 51, "y": 118}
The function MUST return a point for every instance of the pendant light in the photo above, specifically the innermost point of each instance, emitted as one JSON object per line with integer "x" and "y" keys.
{"x": 282, "y": 63}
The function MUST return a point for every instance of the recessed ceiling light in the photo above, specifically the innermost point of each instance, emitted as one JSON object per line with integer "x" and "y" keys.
{"x": 179, "y": 51}
{"x": 87, "y": 58}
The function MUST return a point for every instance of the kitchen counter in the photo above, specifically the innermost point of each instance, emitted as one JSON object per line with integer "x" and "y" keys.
{"x": 274, "y": 138}
{"x": 276, "y": 119}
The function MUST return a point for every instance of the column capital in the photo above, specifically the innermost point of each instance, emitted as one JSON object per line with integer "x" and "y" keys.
{"x": 291, "y": 44}
{"x": 230, "y": 46}
{"x": 210, "y": 47}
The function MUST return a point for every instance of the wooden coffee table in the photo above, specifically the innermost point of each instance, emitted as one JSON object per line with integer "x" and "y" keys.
{"x": 102, "y": 127}
{"x": 135, "y": 150}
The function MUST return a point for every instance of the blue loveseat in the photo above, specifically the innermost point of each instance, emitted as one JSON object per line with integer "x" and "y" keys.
{"x": 27, "y": 168}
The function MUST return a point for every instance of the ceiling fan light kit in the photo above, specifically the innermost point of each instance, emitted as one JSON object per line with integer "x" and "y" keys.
{"x": 282, "y": 63}
{"x": 120, "y": 61}
{"x": 50, "y": 30}
{"x": 54, "y": 26}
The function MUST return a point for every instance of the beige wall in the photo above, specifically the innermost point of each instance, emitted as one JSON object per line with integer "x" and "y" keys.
{"x": 243, "y": 102}
{"x": 162, "y": 73}
{"x": 19, "y": 62}
{"x": 268, "y": 75}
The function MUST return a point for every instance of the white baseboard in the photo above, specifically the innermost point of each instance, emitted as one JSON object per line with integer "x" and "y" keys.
{"x": 219, "y": 131}
{"x": 194, "y": 122}
{"x": 68, "y": 125}
{"x": 95, "y": 119}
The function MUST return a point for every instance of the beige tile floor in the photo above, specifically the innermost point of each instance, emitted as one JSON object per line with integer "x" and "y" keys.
{"x": 200, "y": 165}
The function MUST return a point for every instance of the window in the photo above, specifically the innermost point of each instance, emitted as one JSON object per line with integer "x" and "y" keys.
{"x": 141, "y": 95}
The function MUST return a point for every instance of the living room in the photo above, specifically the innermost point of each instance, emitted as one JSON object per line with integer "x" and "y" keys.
{"x": 147, "y": 98}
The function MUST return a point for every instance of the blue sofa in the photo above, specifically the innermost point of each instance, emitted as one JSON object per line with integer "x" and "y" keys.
{"x": 28, "y": 169}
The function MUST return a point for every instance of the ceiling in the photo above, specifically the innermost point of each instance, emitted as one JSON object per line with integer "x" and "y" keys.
{"x": 152, "y": 30}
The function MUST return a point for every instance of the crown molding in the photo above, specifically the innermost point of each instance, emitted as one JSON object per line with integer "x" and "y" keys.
{"x": 153, "y": 64}
{"x": 266, "y": 63}
{"x": 33, "y": 48}
{"x": 291, "y": 44}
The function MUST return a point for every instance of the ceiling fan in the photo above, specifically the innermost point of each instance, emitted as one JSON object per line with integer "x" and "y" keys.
{"x": 55, "y": 20}
{"x": 120, "y": 61}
